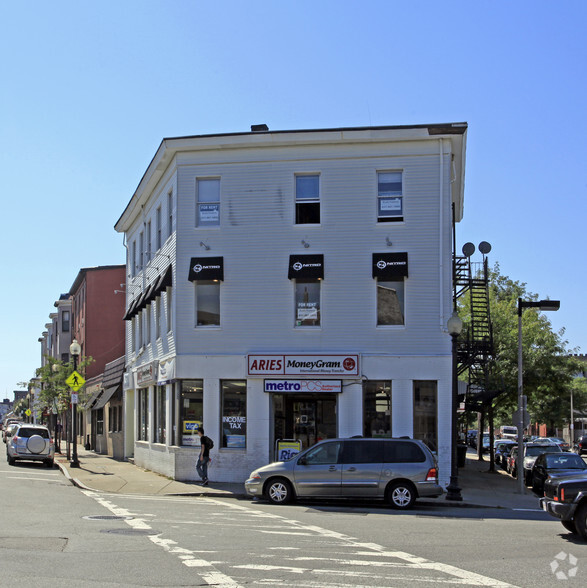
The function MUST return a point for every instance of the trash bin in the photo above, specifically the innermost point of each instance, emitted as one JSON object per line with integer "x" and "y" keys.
{"x": 461, "y": 455}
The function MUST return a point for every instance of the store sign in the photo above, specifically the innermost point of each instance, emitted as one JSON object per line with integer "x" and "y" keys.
{"x": 146, "y": 374}
{"x": 234, "y": 430}
{"x": 304, "y": 365}
{"x": 166, "y": 372}
{"x": 303, "y": 386}
{"x": 286, "y": 449}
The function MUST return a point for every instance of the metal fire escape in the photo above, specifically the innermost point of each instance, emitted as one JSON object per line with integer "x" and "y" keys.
{"x": 475, "y": 346}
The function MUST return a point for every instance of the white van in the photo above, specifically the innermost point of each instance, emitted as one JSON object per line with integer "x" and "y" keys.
{"x": 508, "y": 432}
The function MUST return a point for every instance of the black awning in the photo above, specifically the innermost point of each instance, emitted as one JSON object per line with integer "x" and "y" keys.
{"x": 131, "y": 312}
{"x": 206, "y": 268}
{"x": 306, "y": 267}
{"x": 106, "y": 397}
{"x": 390, "y": 266}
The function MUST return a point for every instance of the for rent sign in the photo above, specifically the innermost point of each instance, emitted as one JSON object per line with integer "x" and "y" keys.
{"x": 304, "y": 365}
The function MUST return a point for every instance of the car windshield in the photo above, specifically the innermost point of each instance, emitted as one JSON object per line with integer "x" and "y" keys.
{"x": 538, "y": 449}
{"x": 568, "y": 461}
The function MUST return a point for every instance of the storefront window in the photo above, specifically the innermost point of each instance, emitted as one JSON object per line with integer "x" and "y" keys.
{"x": 426, "y": 413}
{"x": 143, "y": 414}
{"x": 377, "y": 409}
{"x": 191, "y": 410}
{"x": 100, "y": 421}
{"x": 160, "y": 414}
{"x": 234, "y": 414}
{"x": 307, "y": 303}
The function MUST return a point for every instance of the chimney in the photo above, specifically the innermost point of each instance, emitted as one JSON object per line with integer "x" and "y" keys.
{"x": 259, "y": 128}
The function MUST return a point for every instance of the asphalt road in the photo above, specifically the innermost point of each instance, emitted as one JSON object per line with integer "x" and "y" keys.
{"x": 47, "y": 537}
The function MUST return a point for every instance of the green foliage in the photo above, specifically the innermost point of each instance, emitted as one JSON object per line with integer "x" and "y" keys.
{"x": 548, "y": 369}
{"x": 51, "y": 389}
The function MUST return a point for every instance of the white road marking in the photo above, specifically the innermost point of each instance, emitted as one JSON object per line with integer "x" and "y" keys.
{"x": 213, "y": 578}
{"x": 27, "y": 478}
{"x": 293, "y": 527}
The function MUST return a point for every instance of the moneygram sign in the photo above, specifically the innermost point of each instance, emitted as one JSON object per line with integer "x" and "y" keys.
{"x": 303, "y": 365}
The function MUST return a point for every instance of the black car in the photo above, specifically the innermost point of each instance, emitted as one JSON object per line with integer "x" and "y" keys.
{"x": 555, "y": 465}
{"x": 566, "y": 499}
{"x": 582, "y": 445}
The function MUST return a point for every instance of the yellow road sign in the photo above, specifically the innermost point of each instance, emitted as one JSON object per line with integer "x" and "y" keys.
{"x": 75, "y": 381}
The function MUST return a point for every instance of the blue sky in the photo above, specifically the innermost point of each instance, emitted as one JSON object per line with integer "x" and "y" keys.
{"x": 90, "y": 89}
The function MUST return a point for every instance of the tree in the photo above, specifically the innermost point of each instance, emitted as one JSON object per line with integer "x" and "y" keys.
{"x": 548, "y": 368}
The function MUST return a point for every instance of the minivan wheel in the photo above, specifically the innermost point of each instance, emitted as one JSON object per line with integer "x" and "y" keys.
{"x": 279, "y": 491}
{"x": 401, "y": 495}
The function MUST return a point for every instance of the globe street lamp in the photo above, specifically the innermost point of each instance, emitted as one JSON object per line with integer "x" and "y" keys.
{"x": 455, "y": 326}
{"x": 550, "y": 305}
{"x": 75, "y": 350}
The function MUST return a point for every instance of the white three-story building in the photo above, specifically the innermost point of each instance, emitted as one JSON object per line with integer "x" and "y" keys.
{"x": 290, "y": 285}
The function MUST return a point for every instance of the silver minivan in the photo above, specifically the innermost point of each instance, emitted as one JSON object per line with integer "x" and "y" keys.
{"x": 396, "y": 470}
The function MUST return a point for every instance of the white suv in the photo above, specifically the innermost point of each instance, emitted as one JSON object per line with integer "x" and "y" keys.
{"x": 31, "y": 443}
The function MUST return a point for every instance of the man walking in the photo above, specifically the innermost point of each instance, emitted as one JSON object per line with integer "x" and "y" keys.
{"x": 204, "y": 457}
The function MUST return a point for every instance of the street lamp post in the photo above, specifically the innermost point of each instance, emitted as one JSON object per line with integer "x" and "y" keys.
{"x": 75, "y": 349}
{"x": 453, "y": 491}
{"x": 522, "y": 304}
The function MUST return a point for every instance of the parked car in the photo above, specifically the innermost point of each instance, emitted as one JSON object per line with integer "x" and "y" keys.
{"x": 8, "y": 431}
{"x": 557, "y": 440}
{"x": 397, "y": 470}
{"x": 582, "y": 445}
{"x": 30, "y": 443}
{"x": 555, "y": 465}
{"x": 472, "y": 437}
{"x": 565, "y": 498}
{"x": 531, "y": 452}
{"x": 501, "y": 450}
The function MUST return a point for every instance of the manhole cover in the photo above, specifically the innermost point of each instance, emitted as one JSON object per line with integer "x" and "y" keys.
{"x": 107, "y": 518}
{"x": 131, "y": 531}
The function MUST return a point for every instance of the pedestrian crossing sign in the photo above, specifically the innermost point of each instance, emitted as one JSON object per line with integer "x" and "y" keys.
{"x": 75, "y": 381}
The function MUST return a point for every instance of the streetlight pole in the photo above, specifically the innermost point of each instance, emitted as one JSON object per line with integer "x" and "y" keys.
{"x": 453, "y": 491}
{"x": 75, "y": 349}
{"x": 522, "y": 304}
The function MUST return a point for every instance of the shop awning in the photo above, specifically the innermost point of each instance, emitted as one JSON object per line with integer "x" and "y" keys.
{"x": 390, "y": 266}
{"x": 206, "y": 268}
{"x": 107, "y": 396}
{"x": 157, "y": 286}
{"x": 306, "y": 267}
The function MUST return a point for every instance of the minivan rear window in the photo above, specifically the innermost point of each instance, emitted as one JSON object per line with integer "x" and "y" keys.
{"x": 362, "y": 452}
{"x": 402, "y": 452}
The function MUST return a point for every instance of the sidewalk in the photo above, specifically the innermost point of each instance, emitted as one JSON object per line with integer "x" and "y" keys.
{"x": 105, "y": 474}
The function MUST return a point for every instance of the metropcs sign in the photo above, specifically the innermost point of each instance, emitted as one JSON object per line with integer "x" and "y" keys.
{"x": 304, "y": 365}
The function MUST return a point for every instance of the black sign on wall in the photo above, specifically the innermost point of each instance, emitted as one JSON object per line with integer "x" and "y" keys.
{"x": 390, "y": 266}
{"x": 206, "y": 268}
{"x": 306, "y": 267}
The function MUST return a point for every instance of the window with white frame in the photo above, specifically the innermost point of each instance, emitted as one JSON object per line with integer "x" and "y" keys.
{"x": 170, "y": 213}
{"x": 208, "y": 202}
{"x": 307, "y": 302}
{"x": 141, "y": 336}
{"x": 149, "y": 241}
{"x": 65, "y": 321}
{"x": 207, "y": 303}
{"x": 133, "y": 265}
{"x": 158, "y": 317}
{"x": 160, "y": 416}
{"x": 147, "y": 312}
{"x": 168, "y": 297}
{"x": 307, "y": 199}
{"x": 133, "y": 334}
{"x": 158, "y": 228}
{"x": 390, "y": 206}
{"x": 390, "y": 302}
{"x": 141, "y": 249}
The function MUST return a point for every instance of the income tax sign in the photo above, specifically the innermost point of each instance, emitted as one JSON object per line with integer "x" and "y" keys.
{"x": 304, "y": 365}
